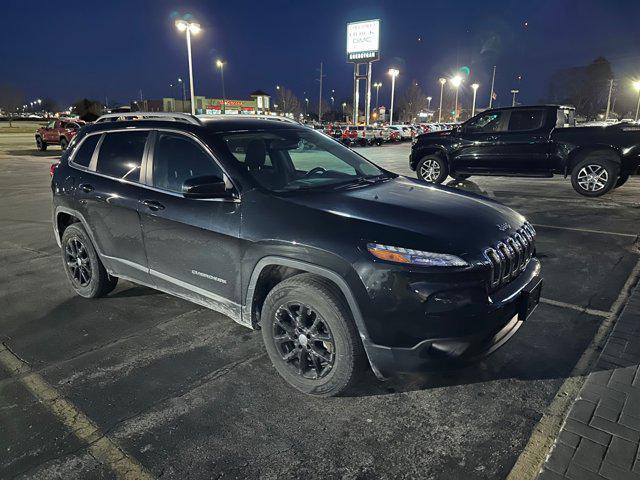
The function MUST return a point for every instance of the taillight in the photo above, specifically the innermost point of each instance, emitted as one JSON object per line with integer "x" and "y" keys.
{"x": 52, "y": 169}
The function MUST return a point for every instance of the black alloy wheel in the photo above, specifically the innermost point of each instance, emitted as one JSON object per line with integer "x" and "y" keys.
{"x": 78, "y": 262}
{"x": 303, "y": 340}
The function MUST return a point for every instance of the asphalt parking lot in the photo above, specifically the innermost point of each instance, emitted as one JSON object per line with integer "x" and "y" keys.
{"x": 187, "y": 393}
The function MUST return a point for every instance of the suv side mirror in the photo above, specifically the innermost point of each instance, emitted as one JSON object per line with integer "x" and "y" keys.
{"x": 206, "y": 186}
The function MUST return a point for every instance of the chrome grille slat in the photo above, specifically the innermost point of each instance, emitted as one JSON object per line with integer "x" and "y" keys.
{"x": 509, "y": 257}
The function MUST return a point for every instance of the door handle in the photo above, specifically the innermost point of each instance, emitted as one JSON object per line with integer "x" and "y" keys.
{"x": 153, "y": 205}
{"x": 85, "y": 187}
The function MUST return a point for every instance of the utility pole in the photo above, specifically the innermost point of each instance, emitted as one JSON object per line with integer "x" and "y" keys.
{"x": 493, "y": 81}
{"x": 320, "y": 97}
{"x": 606, "y": 115}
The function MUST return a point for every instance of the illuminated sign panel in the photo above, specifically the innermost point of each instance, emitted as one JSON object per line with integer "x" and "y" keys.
{"x": 363, "y": 41}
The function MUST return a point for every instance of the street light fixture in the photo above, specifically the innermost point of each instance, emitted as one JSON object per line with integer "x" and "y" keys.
{"x": 429, "y": 103}
{"x": 456, "y": 82}
{"x": 190, "y": 28}
{"x": 442, "y": 82}
{"x": 377, "y": 86}
{"x": 475, "y": 90}
{"x": 636, "y": 85}
{"x": 394, "y": 73}
{"x": 220, "y": 65}
{"x": 514, "y": 92}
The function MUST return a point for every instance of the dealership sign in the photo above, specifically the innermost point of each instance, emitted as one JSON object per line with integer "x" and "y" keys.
{"x": 363, "y": 41}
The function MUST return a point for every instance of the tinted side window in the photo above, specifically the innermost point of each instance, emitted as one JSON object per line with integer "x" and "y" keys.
{"x": 121, "y": 155}
{"x": 176, "y": 158}
{"x": 85, "y": 152}
{"x": 489, "y": 122}
{"x": 522, "y": 120}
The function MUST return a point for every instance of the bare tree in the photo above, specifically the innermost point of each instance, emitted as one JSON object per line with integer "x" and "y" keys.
{"x": 412, "y": 102}
{"x": 288, "y": 102}
{"x": 11, "y": 99}
{"x": 584, "y": 87}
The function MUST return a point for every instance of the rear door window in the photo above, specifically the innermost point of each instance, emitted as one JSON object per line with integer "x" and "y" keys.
{"x": 85, "y": 152}
{"x": 121, "y": 155}
{"x": 524, "y": 120}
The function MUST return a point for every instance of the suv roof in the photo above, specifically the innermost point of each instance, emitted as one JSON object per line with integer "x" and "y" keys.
{"x": 519, "y": 107}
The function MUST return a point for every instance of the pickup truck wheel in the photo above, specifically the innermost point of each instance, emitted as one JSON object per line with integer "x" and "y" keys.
{"x": 84, "y": 269}
{"x": 310, "y": 336}
{"x": 432, "y": 169}
{"x": 594, "y": 176}
{"x": 41, "y": 144}
{"x": 64, "y": 143}
{"x": 622, "y": 179}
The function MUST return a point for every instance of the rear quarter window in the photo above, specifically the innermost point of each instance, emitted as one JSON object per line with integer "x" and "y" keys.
{"x": 84, "y": 153}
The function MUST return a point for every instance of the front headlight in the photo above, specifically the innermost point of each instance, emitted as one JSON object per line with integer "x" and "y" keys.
{"x": 414, "y": 257}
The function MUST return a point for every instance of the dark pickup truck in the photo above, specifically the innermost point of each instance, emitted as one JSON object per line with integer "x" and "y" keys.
{"x": 532, "y": 141}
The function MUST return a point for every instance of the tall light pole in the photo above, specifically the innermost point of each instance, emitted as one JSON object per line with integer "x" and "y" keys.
{"x": 306, "y": 106}
{"x": 184, "y": 93}
{"x": 636, "y": 85}
{"x": 493, "y": 81}
{"x": 515, "y": 91}
{"x": 377, "y": 86}
{"x": 456, "y": 82}
{"x": 220, "y": 65}
{"x": 344, "y": 105}
{"x": 473, "y": 107}
{"x": 429, "y": 102}
{"x": 394, "y": 73}
{"x": 442, "y": 82}
{"x": 333, "y": 103}
{"x": 189, "y": 28}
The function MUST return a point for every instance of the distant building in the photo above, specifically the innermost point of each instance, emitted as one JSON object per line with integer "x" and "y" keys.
{"x": 260, "y": 103}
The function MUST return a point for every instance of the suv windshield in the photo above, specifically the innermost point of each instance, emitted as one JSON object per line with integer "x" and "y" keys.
{"x": 297, "y": 159}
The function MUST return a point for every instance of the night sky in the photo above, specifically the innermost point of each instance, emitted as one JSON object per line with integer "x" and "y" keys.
{"x": 72, "y": 49}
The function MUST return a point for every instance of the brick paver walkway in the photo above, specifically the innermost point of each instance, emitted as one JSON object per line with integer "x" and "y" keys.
{"x": 601, "y": 435}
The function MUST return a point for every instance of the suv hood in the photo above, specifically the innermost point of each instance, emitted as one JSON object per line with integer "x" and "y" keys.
{"x": 408, "y": 213}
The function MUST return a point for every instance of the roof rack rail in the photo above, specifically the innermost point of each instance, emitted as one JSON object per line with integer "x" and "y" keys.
{"x": 167, "y": 116}
{"x": 259, "y": 116}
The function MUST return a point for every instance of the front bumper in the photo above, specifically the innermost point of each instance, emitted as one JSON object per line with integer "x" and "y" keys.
{"x": 472, "y": 336}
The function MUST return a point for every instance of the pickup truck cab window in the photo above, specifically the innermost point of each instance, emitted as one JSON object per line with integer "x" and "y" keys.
{"x": 176, "y": 159}
{"x": 525, "y": 120}
{"x": 120, "y": 155}
{"x": 489, "y": 122}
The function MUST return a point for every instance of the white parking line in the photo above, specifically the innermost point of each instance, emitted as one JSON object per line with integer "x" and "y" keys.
{"x": 545, "y": 432}
{"x": 590, "y": 311}
{"x": 585, "y": 230}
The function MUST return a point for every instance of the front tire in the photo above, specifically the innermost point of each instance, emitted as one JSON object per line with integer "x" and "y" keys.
{"x": 310, "y": 336}
{"x": 595, "y": 175}
{"x": 64, "y": 143}
{"x": 432, "y": 169}
{"x": 85, "y": 271}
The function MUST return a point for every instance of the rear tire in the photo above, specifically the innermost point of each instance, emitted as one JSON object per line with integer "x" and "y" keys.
{"x": 41, "y": 144}
{"x": 310, "y": 336}
{"x": 64, "y": 143}
{"x": 595, "y": 175}
{"x": 85, "y": 271}
{"x": 432, "y": 169}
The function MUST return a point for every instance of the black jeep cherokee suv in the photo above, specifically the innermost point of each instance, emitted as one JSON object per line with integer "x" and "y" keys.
{"x": 340, "y": 263}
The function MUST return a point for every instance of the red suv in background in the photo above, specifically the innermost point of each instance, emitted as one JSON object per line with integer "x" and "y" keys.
{"x": 57, "y": 132}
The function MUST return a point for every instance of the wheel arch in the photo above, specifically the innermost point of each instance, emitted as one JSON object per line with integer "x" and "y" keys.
{"x": 580, "y": 153}
{"x": 264, "y": 271}
{"x": 430, "y": 150}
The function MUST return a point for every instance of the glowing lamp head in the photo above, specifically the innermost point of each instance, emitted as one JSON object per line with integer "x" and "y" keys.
{"x": 456, "y": 81}
{"x": 194, "y": 28}
{"x": 393, "y": 72}
{"x": 442, "y": 81}
{"x": 636, "y": 85}
{"x": 475, "y": 86}
{"x": 219, "y": 63}
{"x": 181, "y": 25}
{"x": 429, "y": 98}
